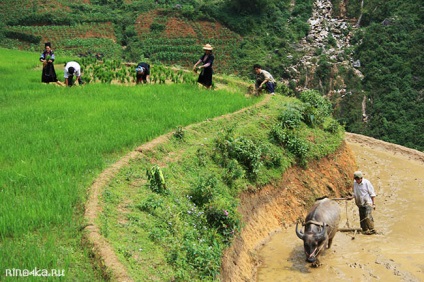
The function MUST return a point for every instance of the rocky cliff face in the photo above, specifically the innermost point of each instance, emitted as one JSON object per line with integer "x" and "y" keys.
{"x": 329, "y": 41}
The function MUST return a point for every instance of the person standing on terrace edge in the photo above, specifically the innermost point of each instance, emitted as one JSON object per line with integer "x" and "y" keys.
{"x": 263, "y": 78}
{"x": 206, "y": 61}
{"x": 47, "y": 58}
{"x": 72, "y": 69}
{"x": 142, "y": 73}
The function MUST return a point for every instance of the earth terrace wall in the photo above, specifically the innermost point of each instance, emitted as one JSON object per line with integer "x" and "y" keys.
{"x": 278, "y": 206}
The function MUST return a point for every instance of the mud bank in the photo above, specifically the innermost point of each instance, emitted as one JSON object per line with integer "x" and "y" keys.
{"x": 396, "y": 253}
{"x": 277, "y": 206}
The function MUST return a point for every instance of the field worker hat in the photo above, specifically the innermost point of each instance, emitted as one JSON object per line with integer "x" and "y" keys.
{"x": 208, "y": 47}
{"x": 139, "y": 69}
{"x": 357, "y": 174}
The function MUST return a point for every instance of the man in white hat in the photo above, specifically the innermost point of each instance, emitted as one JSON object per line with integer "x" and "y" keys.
{"x": 364, "y": 195}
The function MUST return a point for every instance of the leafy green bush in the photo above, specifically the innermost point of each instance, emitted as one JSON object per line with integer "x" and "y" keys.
{"x": 179, "y": 133}
{"x": 156, "y": 180}
{"x": 315, "y": 108}
{"x": 292, "y": 142}
{"x": 247, "y": 153}
{"x": 332, "y": 127}
{"x": 222, "y": 216}
{"x": 203, "y": 192}
{"x": 290, "y": 118}
{"x": 233, "y": 172}
{"x": 270, "y": 157}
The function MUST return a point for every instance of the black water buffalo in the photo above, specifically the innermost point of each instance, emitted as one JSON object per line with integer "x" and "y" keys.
{"x": 321, "y": 225}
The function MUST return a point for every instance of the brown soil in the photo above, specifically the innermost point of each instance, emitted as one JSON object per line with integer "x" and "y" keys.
{"x": 394, "y": 254}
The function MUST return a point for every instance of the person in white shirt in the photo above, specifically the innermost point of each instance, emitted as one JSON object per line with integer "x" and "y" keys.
{"x": 364, "y": 195}
{"x": 263, "y": 78}
{"x": 72, "y": 69}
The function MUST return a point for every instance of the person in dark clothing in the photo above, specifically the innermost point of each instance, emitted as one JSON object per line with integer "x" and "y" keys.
{"x": 142, "y": 73}
{"x": 47, "y": 58}
{"x": 206, "y": 61}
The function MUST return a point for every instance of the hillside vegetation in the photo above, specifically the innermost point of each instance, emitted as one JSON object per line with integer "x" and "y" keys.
{"x": 387, "y": 41}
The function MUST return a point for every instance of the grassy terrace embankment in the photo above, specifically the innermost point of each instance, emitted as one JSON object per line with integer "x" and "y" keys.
{"x": 173, "y": 209}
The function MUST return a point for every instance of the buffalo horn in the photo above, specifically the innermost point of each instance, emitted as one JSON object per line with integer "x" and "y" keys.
{"x": 299, "y": 233}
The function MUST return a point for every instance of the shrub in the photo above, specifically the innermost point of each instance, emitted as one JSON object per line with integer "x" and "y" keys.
{"x": 316, "y": 108}
{"x": 233, "y": 172}
{"x": 156, "y": 180}
{"x": 204, "y": 191}
{"x": 290, "y": 118}
{"x": 23, "y": 36}
{"x": 332, "y": 127}
{"x": 179, "y": 133}
{"x": 270, "y": 156}
{"x": 292, "y": 142}
{"x": 247, "y": 153}
{"x": 223, "y": 216}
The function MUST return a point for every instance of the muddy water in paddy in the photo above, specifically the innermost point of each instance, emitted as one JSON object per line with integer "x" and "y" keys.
{"x": 395, "y": 254}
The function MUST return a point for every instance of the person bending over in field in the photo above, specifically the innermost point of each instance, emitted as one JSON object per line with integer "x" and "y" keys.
{"x": 72, "y": 69}
{"x": 142, "y": 73}
{"x": 263, "y": 78}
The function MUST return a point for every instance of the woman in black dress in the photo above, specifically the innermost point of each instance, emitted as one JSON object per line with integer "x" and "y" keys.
{"x": 206, "y": 61}
{"x": 47, "y": 58}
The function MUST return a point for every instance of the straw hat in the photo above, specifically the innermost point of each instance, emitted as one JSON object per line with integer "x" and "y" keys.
{"x": 208, "y": 47}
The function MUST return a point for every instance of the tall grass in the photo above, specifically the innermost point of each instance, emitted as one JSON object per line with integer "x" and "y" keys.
{"x": 56, "y": 140}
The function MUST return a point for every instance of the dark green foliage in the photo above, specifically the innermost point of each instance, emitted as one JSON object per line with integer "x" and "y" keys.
{"x": 233, "y": 172}
{"x": 222, "y": 216}
{"x": 247, "y": 153}
{"x": 391, "y": 56}
{"x": 290, "y": 140}
{"x": 23, "y": 36}
{"x": 270, "y": 157}
{"x": 179, "y": 133}
{"x": 333, "y": 127}
{"x": 57, "y": 18}
{"x": 315, "y": 108}
{"x": 291, "y": 118}
{"x": 203, "y": 192}
{"x": 157, "y": 27}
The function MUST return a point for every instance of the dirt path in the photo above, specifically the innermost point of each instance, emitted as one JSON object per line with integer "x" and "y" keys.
{"x": 395, "y": 254}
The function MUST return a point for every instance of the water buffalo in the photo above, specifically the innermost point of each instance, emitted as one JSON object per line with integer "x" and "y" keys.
{"x": 321, "y": 225}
